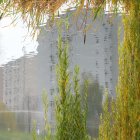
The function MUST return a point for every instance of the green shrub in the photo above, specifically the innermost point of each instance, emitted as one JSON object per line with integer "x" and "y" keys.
{"x": 71, "y": 111}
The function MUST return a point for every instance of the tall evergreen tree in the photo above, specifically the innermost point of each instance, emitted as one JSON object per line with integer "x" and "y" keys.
{"x": 125, "y": 113}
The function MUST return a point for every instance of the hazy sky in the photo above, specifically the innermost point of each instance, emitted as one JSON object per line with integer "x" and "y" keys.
{"x": 12, "y": 40}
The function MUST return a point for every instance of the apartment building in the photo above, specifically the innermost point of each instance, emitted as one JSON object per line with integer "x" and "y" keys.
{"x": 19, "y": 90}
{"x": 94, "y": 51}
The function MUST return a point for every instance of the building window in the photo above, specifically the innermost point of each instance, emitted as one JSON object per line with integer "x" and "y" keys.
{"x": 97, "y": 77}
{"x": 9, "y": 101}
{"x": 51, "y": 103}
{"x": 106, "y": 72}
{"x": 97, "y": 52}
{"x": 52, "y": 59}
{"x": 105, "y": 61}
{"x": 105, "y": 38}
{"x": 106, "y": 84}
{"x": 106, "y": 29}
{"x": 52, "y": 68}
{"x": 96, "y": 63}
{"x": 52, "y": 91}
{"x": 97, "y": 41}
{"x": 109, "y": 36}
{"x": 110, "y": 68}
{"x": 111, "y": 92}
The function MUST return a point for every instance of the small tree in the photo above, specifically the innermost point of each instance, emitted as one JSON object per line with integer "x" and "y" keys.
{"x": 124, "y": 121}
{"x": 94, "y": 101}
{"x": 71, "y": 107}
{"x": 70, "y": 115}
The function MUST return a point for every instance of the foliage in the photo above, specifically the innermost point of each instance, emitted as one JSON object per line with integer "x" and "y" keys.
{"x": 125, "y": 113}
{"x": 94, "y": 101}
{"x": 95, "y": 93}
{"x": 71, "y": 107}
{"x": 126, "y": 119}
{"x": 35, "y": 13}
{"x": 47, "y": 135}
{"x": 34, "y": 134}
{"x": 70, "y": 116}
{"x": 105, "y": 128}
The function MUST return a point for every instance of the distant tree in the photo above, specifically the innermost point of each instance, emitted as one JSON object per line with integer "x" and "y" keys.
{"x": 94, "y": 101}
{"x": 70, "y": 115}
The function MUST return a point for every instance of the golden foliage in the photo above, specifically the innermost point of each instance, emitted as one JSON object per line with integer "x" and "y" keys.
{"x": 126, "y": 122}
{"x": 126, "y": 119}
{"x": 35, "y": 11}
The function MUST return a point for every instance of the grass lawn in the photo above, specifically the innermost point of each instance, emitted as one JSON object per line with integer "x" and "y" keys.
{"x": 15, "y": 136}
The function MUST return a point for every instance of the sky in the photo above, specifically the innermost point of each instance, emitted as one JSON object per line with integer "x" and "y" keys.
{"x": 15, "y": 41}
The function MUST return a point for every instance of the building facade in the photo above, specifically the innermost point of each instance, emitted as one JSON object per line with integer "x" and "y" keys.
{"x": 94, "y": 51}
{"x": 93, "y": 46}
{"x": 19, "y": 90}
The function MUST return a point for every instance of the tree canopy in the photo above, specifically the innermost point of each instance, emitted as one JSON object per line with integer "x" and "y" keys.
{"x": 33, "y": 12}
{"x": 124, "y": 120}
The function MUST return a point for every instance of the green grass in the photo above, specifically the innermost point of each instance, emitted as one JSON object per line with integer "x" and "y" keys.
{"x": 15, "y": 136}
